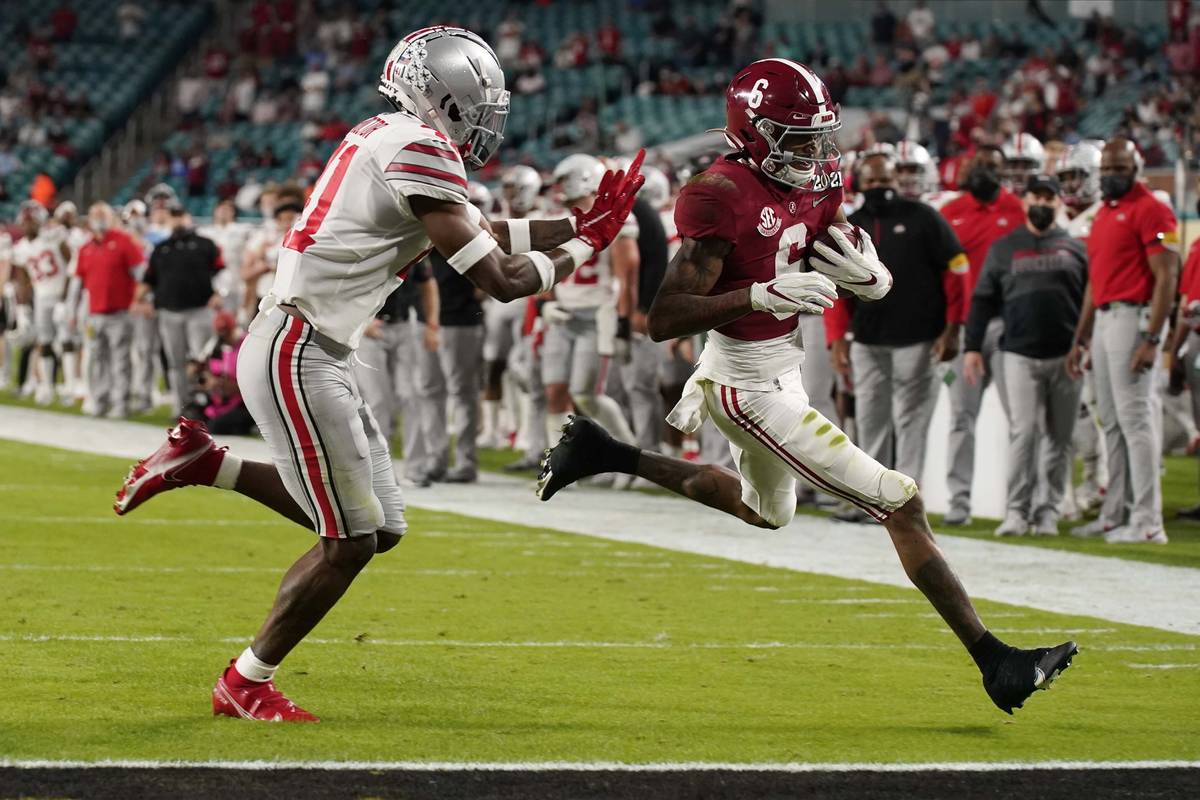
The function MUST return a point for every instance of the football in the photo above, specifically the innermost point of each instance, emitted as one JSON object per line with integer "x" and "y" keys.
{"x": 852, "y": 232}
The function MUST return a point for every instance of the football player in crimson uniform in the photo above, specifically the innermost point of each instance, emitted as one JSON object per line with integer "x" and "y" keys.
{"x": 747, "y": 224}
{"x": 395, "y": 188}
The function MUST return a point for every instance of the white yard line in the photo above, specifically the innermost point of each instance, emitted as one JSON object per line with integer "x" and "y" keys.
{"x": 43, "y": 638}
{"x": 1113, "y": 589}
{"x": 604, "y": 766}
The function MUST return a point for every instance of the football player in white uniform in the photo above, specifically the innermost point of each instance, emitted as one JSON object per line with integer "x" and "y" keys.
{"x": 41, "y": 258}
{"x": 1079, "y": 175}
{"x": 583, "y": 320}
{"x": 395, "y": 188}
{"x": 1023, "y": 156}
{"x": 521, "y": 187}
{"x": 231, "y": 236}
{"x": 72, "y": 320}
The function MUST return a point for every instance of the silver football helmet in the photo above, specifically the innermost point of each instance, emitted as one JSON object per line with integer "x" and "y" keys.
{"x": 1079, "y": 175}
{"x": 914, "y": 166}
{"x": 450, "y": 79}
{"x": 480, "y": 196}
{"x": 657, "y": 189}
{"x": 522, "y": 184}
{"x": 577, "y": 176}
{"x": 1024, "y": 157}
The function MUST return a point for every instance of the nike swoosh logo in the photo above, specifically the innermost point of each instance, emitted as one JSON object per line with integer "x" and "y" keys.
{"x": 874, "y": 280}
{"x": 777, "y": 293}
{"x": 818, "y": 201}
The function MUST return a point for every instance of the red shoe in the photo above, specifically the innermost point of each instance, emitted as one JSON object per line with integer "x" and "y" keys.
{"x": 189, "y": 458}
{"x": 261, "y": 701}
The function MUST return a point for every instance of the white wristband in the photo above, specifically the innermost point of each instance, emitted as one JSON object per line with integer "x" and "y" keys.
{"x": 472, "y": 252}
{"x": 579, "y": 251}
{"x": 545, "y": 268}
{"x": 519, "y": 240}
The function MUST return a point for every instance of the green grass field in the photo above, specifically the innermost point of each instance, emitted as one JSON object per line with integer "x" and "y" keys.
{"x": 477, "y": 641}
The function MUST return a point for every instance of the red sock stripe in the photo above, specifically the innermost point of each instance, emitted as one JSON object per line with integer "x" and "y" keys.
{"x": 312, "y": 466}
{"x": 743, "y": 420}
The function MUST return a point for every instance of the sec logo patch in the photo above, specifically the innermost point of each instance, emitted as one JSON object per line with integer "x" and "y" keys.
{"x": 768, "y": 222}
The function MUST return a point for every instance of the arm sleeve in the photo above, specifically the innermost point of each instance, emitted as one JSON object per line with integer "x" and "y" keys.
{"x": 1158, "y": 229}
{"x": 429, "y": 167}
{"x": 949, "y": 257}
{"x": 706, "y": 209}
{"x": 151, "y": 274}
{"x": 838, "y": 319}
{"x": 986, "y": 301}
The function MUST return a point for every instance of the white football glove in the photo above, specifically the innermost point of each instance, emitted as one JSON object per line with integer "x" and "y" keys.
{"x": 794, "y": 293}
{"x": 861, "y": 273}
{"x": 552, "y": 312}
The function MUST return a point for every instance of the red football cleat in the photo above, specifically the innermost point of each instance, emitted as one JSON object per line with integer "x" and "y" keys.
{"x": 261, "y": 701}
{"x": 189, "y": 458}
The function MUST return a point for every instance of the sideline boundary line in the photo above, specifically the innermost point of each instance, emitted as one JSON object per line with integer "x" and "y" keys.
{"x": 602, "y": 766}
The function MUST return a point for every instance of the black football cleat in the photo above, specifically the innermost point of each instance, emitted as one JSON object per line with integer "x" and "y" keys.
{"x": 577, "y": 455}
{"x": 1022, "y": 672}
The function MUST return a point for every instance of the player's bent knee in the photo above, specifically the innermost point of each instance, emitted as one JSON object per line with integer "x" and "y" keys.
{"x": 385, "y": 541}
{"x": 349, "y": 555}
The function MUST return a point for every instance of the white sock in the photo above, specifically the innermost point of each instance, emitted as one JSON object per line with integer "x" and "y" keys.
{"x": 491, "y": 419}
{"x": 70, "y": 362}
{"x": 47, "y": 375}
{"x": 554, "y": 423}
{"x": 227, "y": 474}
{"x": 605, "y": 410}
{"x": 251, "y": 668}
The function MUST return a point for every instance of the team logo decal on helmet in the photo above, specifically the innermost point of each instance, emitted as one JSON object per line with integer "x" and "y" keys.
{"x": 780, "y": 115}
{"x": 451, "y": 80}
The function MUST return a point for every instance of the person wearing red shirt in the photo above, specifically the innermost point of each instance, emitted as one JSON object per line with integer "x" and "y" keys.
{"x": 105, "y": 270}
{"x": 1185, "y": 366}
{"x": 979, "y": 216}
{"x": 1132, "y": 269}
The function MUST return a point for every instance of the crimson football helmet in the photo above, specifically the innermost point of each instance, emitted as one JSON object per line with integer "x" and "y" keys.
{"x": 781, "y": 116}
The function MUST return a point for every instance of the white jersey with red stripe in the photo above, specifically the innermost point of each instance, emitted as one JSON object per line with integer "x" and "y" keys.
{"x": 42, "y": 259}
{"x": 593, "y": 284}
{"x": 358, "y": 236}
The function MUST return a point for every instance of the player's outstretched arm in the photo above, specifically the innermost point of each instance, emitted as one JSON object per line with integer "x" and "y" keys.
{"x": 474, "y": 252}
{"x": 526, "y": 235}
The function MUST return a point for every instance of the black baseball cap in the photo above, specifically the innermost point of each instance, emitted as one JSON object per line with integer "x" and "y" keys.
{"x": 175, "y": 208}
{"x": 1044, "y": 183}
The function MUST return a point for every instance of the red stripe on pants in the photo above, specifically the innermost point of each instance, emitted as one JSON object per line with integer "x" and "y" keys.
{"x": 287, "y": 385}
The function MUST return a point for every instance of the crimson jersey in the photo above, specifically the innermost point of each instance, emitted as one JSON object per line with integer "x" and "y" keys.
{"x": 769, "y": 225}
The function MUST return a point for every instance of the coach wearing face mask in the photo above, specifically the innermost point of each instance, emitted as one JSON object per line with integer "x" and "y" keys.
{"x": 983, "y": 213}
{"x": 1132, "y": 271}
{"x": 1033, "y": 279}
{"x": 899, "y": 339}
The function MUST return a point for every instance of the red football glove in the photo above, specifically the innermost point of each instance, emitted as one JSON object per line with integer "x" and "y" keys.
{"x": 614, "y": 200}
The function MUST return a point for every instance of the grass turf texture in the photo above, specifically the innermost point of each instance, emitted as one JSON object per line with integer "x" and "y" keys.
{"x": 1180, "y": 490}
{"x": 394, "y": 681}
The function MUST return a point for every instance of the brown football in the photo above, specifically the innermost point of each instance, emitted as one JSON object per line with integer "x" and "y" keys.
{"x": 853, "y": 234}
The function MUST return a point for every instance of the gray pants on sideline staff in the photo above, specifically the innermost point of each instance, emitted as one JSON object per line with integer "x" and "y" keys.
{"x": 109, "y": 338}
{"x": 641, "y": 382}
{"x": 144, "y": 355}
{"x": 386, "y": 379}
{"x": 448, "y": 383}
{"x": 1130, "y": 414}
{"x": 895, "y": 390}
{"x": 965, "y": 401}
{"x": 183, "y": 336}
{"x": 1042, "y": 400}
